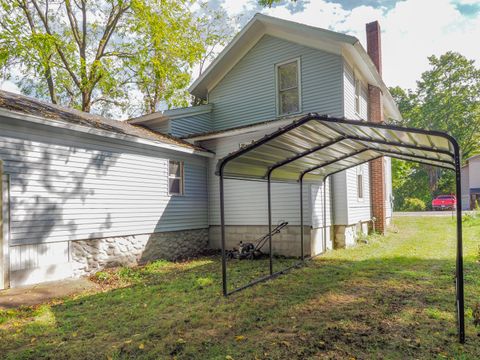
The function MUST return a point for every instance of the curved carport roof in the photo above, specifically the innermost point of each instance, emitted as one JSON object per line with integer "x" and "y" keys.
{"x": 316, "y": 146}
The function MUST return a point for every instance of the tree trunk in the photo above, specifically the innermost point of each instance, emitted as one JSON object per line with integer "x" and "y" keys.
{"x": 51, "y": 85}
{"x": 86, "y": 101}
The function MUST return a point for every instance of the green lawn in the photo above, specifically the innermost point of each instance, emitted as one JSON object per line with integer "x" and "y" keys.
{"x": 392, "y": 298}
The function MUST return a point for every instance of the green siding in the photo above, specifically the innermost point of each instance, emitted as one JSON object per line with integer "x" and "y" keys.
{"x": 246, "y": 95}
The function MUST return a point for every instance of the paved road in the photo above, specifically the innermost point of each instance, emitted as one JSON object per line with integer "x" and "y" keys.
{"x": 425, "y": 213}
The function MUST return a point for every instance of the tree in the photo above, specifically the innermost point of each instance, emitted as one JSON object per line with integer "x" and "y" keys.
{"x": 270, "y": 3}
{"x": 447, "y": 98}
{"x": 98, "y": 53}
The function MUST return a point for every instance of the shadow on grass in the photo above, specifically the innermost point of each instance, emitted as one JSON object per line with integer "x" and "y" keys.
{"x": 393, "y": 307}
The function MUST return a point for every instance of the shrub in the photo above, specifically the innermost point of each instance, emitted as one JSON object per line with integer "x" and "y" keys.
{"x": 469, "y": 217}
{"x": 414, "y": 204}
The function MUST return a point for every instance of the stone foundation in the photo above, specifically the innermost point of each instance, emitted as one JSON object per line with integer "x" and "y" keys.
{"x": 90, "y": 256}
{"x": 347, "y": 235}
{"x": 286, "y": 243}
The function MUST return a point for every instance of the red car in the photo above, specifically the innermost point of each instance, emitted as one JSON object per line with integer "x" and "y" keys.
{"x": 443, "y": 202}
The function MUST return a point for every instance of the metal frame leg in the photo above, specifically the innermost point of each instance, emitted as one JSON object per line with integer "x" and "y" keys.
{"x": 325, "y": 215}
{"x": 222, "y": 222}
{"x": 269, "y": 192}
{"x": 459, "y": 264}
{"x": 301, "y": 221}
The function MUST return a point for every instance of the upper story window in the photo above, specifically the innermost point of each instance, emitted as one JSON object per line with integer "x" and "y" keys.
{"x": 288, "y": 87}
{"x": 176, "y": 178}
{"x": 358, "y": 92}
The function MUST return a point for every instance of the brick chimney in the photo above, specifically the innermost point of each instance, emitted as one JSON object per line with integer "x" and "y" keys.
{"x": 375, "y": 115}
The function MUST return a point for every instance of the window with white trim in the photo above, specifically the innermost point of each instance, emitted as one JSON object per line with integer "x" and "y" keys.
{"x": 175, "y": 177}
{"x": 288, "y": 87}
{"x": 358, "y": 92}
{"x": 360, "y": 182}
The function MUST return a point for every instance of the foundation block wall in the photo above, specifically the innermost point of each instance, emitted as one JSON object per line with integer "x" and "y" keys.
{"x": 90, "y": 256}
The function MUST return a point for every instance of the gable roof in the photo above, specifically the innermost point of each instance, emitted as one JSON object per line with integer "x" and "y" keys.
{"x": 57, "y": 115}
{"x": 310, "y": 36}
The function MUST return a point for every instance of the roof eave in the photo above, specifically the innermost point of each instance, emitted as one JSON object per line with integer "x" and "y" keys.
{"x": 99, "y": 132}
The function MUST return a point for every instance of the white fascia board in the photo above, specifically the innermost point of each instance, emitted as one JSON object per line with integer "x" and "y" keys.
{"x": 99, "y": 132}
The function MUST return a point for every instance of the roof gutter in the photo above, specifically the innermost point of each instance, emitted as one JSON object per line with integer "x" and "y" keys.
{"x": 99, "y": 132}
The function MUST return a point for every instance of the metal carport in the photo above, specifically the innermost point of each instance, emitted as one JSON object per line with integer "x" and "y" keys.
{"x": 314, "y": 147}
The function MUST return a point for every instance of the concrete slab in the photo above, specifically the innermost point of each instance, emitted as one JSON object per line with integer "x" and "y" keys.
{"x": 44, "y": 292}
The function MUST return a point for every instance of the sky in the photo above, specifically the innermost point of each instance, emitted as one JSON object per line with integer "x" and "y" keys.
{"x": 412, "y": 30}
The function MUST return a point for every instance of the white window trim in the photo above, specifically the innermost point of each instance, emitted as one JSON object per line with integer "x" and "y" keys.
{"x": 299, "y": 85}
{"x": 182, "y": 178}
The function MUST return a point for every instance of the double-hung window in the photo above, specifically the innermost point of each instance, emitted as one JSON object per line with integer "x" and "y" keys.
{"x": 288, "y": 87}
{"x": 175, "y": 178}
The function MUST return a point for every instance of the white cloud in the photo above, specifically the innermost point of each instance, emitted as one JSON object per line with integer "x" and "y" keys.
{"x": 411, "y": 31}
{"x": 9, "y": 86}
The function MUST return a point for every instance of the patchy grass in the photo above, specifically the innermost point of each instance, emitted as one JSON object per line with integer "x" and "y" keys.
{"x": 393, "y": 298}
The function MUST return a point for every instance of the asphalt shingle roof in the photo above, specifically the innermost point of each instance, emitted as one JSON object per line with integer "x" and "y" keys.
{"x": 27, "y": 105}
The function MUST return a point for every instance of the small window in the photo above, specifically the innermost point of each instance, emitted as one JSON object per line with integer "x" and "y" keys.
{"x": 175, "y": 178}
{"x": 360, "y": 186}
{"x": 288, "y": 85}
{"x": 358, "y": 90}
{"x": 360, "y": 182}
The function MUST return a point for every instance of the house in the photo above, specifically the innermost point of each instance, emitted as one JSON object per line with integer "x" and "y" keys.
{"x": 471, "y": 183}
{"x": 81, "y": 192}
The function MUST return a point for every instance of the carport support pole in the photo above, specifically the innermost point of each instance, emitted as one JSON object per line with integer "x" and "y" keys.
{"x": 222, "y": 230}
{"x": 269, "y": 193}
{"x": 459, "y": 272}
{"x": 301, "y": 219}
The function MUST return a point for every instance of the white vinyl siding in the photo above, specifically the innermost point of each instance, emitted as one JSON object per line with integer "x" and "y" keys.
{"x": 319, "y": 206}
{"x": 194, "y": 124}
{"x": 189, "y": 125}
{"x": 350, "y": 107}
{"x": 339, "y": 198}
{"x": 247, "y": 95}
{"x": 246, "y": 201}
{"x": 349, "y": 209}
{"x": 70, "y": 186}
{"x": 359, "y": 209}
